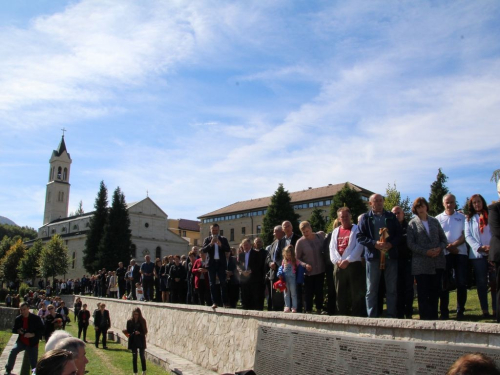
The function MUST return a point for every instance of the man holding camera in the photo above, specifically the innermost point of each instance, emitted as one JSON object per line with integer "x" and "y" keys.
{"x": 29, "y": 327}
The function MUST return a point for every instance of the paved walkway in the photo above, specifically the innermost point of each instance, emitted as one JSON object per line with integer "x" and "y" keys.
{"x": 165, "y": 359}
{"x": 5, "y": 356}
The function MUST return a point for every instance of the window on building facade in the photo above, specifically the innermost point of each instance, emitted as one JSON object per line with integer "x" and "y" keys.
{"x": 231, "y": 236}
{"x": 222, "y": 232}
{"x": 195, "y": 242}
{"x": 259, "y": 229}
{"x": 133, "y": 251}
{"x": 158, "y": 252}
{"x": 65, "y": 174}
{"x": 184, "y": 233}
{"x": 73, "y": 262}
{"x": 243, "y": 230}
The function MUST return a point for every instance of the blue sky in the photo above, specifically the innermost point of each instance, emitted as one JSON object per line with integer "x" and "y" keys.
{"x": 205, "y": 103}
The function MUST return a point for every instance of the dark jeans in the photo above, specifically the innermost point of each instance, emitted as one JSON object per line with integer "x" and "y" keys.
{"x": 481, "y": 272}
{"x": 82, "y": 328}
{"x": 250, "y": 295}
{"x": 148, "y": 286}
{"x": 134, "y": 359}
{"x": 456, "y": 263}
{"x": 121, "y": 288}
{"x": 32, "y": 352}
{"x": 217, "y": 267}
{"x": 350, "y": 285}
{"x": 204, "y": 294}
{"x": 405, "y": 289}
{"x": 331, "y": 304}
{"x": 98, "y": 333}
{"x": 497, "y": 268}
{"x": 429, "y": 288}
{"x": 314, "y": 288}
{"x": 233, "y": 292}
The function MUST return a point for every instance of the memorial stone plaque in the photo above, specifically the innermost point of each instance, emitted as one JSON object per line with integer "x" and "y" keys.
{"x": 302, "y": 352}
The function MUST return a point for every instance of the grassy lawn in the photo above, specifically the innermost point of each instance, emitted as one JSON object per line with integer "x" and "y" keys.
{"x": 117, "y": 360}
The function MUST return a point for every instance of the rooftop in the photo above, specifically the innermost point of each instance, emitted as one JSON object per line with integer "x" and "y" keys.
{"x": 296, "y": 196}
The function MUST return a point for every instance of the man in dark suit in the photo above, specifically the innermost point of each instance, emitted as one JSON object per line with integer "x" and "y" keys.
{"x": 216, "y": 246}
{"x": 291, "y": 238}
{"x": 494, "y": 223}
{"x": 232, "y": 280}
{"x": 250, "y": 269}
{"x": 276, "y": 302}
{"x": 30, "y": 329}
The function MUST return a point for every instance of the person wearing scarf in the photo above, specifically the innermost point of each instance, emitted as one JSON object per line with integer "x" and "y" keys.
{"x": 478, "y": 236}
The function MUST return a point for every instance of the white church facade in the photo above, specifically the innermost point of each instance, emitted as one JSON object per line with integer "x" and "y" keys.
{"x": 148, "y": 222}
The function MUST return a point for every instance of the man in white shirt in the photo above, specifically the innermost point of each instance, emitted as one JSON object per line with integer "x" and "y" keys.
{"x": 349, "y": 272}
{"x": 453, "y": 223}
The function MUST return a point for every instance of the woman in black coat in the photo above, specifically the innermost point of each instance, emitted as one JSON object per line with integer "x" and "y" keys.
{"x": 102, "y": 322}
{"x": 137, "y": 330}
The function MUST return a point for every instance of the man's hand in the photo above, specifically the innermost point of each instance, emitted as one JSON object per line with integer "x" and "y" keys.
{"x": 308, "y": 268}
{"x": 452, "y": 249}
{"x": 272, "y": 265}
{"x": 29, "y": 335}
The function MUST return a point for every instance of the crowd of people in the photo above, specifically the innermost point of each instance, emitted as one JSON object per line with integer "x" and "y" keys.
{"x": 356, "y": 267}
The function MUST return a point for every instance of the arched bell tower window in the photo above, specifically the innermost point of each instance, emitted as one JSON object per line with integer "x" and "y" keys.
{"x": 65, "y": 174}
{"x": 158, "y": 252}
{"x": 59, "y": 173}
{"x": 52, "y": 170}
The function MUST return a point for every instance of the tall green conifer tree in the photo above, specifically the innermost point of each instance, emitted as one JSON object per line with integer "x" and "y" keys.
{"x": 279, "y": 210}
{"x": 117, "y": 239}
{"x": 438, "y": 191}
{"x": 96, "y": 230}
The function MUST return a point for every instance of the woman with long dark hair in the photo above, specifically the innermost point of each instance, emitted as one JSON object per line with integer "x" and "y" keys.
{"x": 137, "y": 330}
{"x": 478, "y": 235}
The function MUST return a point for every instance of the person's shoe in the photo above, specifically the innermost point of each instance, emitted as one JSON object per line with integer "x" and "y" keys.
{"x": 104, "y": 347}
{"x": 144, "y": 373}
{"x": 227, "y": 306}
{"x": 460, "y": 316}
{"x": 287, "y": 309}
{"x": 214, "y": 306}
{"x": 294, "y": 310}
{"x": 486, "y": 315}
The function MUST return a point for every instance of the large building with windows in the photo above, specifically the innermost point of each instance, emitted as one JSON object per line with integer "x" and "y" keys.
{"x": 244, "y": 219}
{"x": 148, "y": 222}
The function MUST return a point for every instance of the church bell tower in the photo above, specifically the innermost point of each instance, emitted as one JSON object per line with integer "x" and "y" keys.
{"x": 57, "y": 196}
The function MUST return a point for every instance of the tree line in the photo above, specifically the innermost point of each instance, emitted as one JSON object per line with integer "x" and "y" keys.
{"x": 281, "y": 208}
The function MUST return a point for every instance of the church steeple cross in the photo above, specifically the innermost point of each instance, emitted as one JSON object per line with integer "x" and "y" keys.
{"x": 63, "y": 130}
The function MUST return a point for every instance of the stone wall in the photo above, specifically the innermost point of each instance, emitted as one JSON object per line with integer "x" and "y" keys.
{"x": 7, "y": 316}
{"x": 226, "y": 340}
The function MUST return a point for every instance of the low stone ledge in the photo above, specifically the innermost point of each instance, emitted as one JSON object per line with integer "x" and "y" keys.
{"x": 5, "y": 356}
{"x": 225, "y": 340}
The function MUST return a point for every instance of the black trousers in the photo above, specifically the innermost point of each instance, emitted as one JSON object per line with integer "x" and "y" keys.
{"x": 429, "y": 289}
{"x": 98, "y": 333}
{"x": 314, "y": 288}
{"x": 250, "y": 295}
{"x": 82, "y": 328}
{"x": 134, "y": 359}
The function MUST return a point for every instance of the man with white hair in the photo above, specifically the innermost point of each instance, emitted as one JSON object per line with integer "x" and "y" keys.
{"x": 494, "y": 223}
{"x": 54, "y": 339}
{"x": 453, "y": 224}
{"x": 77, "y": 347}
